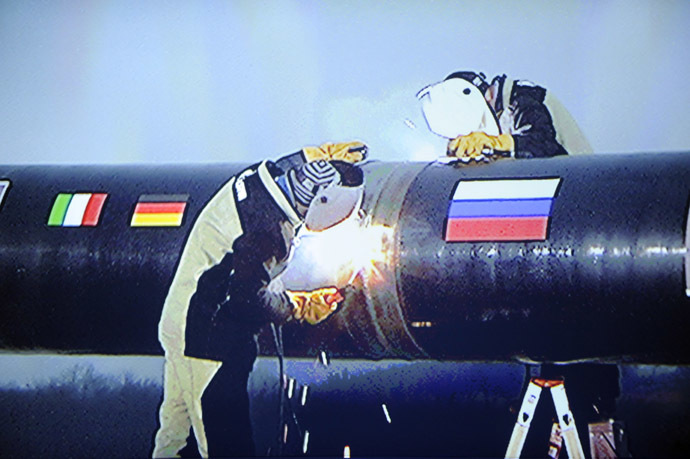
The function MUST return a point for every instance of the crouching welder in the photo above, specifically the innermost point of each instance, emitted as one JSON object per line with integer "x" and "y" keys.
{"x": 222, "y": 294}
{"x": 504, "y": 118}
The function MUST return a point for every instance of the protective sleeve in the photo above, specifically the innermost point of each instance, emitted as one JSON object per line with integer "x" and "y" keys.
{"x": 533, "y": 130}
{"x": 255, "y": 299}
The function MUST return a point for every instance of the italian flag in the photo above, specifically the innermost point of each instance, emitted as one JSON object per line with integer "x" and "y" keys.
{"x": 77, "y": 209}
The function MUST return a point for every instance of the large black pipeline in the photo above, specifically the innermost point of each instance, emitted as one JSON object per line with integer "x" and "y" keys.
{"x": 91, "y": 289}
{"x": 600, "y": 273}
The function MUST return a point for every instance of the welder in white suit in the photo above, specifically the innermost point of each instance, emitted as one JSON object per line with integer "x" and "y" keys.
{"x": 222, "y": 294}
{"x": 503, "y": 118}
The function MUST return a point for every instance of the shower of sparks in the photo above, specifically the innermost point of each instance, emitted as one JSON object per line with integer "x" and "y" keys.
{"x": 371, "y": 248}
{"x": 340, "y": 253}
{"x": 285, "y": 432}
{"x": 324, "y": 358}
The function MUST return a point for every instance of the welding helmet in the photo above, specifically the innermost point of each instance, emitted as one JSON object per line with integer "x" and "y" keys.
{"x": 338, "y": 200}
{"x": 456, "y": 106}
{"x": 321, "y": 254}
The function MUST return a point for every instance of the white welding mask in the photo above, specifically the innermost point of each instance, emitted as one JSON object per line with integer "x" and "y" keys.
{"x": 332, "y": 205}
{"x": 456, "y": 107}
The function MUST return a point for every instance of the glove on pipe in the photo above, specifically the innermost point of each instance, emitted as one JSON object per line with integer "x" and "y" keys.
{"x": 351, "y": 152}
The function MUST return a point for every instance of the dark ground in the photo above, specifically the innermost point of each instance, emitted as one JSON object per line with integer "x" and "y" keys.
{"x": 436, "y": 409}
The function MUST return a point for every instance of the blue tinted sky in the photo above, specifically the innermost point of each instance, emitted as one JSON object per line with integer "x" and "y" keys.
{"x": 170, "y": 81}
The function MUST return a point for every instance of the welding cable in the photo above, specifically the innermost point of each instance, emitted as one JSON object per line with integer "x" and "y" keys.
{"x": 278, "y": 341}
{"x": 282, "y": 400}
{"x": 293, "y": 415}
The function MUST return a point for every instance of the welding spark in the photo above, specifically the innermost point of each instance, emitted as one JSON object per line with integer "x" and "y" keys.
{"x": 337, "y": 255}
{"x": 291, "y": 387}
{"x": 385, "y": 411}
{"x": 305, "y": 388}
{"x": 359, "y": 248}
{"x": 372, "y": 248}
{"x": 306, "y": 442}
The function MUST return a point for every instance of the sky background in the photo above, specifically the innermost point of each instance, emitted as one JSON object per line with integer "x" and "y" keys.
{"x": 171, "y": 81}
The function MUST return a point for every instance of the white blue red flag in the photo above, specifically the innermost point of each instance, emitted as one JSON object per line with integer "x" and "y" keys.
{"x": 500, "y": 210}
{"x": 4, "y": 185}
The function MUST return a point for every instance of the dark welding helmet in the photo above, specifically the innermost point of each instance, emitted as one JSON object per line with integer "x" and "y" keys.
{"x": 477, "y": 79}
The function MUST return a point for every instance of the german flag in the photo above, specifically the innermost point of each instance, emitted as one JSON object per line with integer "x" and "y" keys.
{"x": 159, "y": 210}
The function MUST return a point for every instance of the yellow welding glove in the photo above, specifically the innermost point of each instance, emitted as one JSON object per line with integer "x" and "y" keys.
{"x": 316, "y": 305}
{"x": 480, "y": 146}
{"x": 351, "y": 152}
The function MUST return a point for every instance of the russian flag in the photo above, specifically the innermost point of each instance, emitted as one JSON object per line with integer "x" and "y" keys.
{"x": 500, "y": 210}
